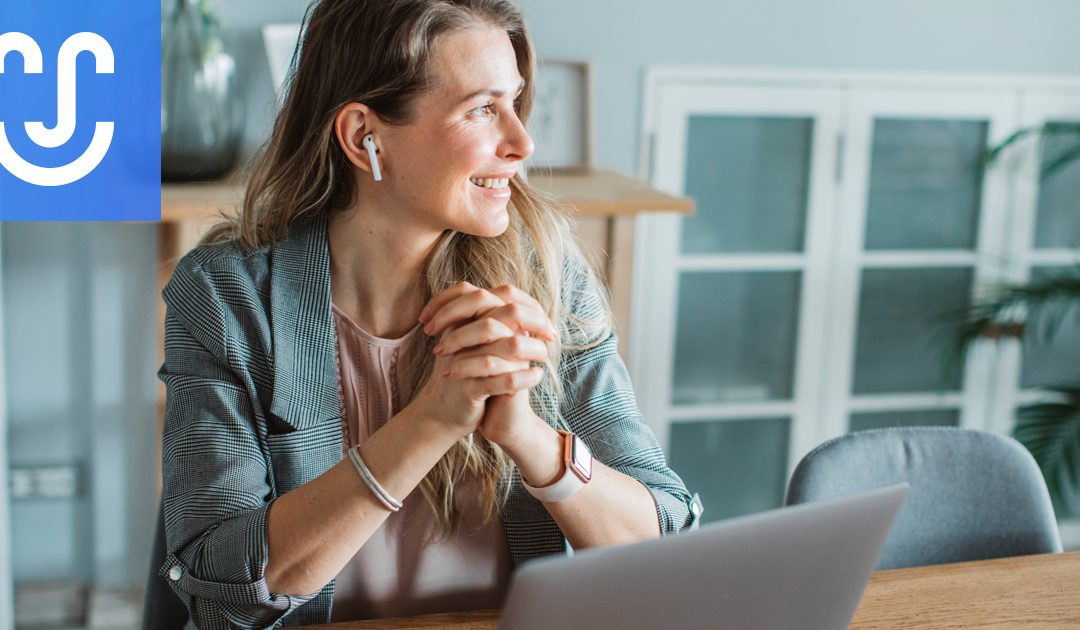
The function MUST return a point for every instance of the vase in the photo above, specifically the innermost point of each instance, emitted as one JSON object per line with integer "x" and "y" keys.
{"x": 201, "y": 117}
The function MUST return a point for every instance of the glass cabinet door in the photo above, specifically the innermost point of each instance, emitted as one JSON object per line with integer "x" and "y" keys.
{"x": 758, "y": 164}
{"x": 1047, "y": 242}
{"x": 918, "y": 230}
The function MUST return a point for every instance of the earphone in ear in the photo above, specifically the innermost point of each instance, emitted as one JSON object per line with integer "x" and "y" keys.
{"x": 369, "y": 144}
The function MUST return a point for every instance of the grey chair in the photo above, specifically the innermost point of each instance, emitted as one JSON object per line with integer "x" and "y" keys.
{"x": 162, "y": 609}
{"x": 973, "y": 495}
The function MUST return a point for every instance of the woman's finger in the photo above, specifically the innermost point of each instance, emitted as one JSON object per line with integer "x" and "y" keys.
{"x": 443, "y": 298}
{"x": 514, "y": 348}
{"x": 509, "y": 293}
{"x": 524, "y": 318}
{"x": 498, "y": 323}
{"x": 475, "y": 333}
{"x": 483, "y": 365}
{"x": 470, "y": 305}
{"x": 516, "y": 317}
{"x": 509, "y": 383}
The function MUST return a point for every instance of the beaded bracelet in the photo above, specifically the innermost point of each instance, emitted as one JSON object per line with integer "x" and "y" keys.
{"x": 380, "y": 493}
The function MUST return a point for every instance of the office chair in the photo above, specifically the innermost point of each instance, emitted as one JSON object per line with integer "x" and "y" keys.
{"x": 162, "y": 609}
{"x": 973, "y": 496}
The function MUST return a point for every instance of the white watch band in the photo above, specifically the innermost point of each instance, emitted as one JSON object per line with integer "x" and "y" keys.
{"x": 564, "y": 488}
{"x": 577, "y": 471}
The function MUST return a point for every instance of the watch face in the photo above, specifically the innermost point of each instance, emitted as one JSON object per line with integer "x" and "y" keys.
{"x": 581, "y": 459}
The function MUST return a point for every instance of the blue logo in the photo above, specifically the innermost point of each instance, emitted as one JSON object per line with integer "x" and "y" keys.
{"x": 80, "y": 111}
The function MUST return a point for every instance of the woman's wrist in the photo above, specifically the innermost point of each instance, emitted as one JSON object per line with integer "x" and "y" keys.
{"x": 427, "y": 426}
{"x": 537, "y": 452}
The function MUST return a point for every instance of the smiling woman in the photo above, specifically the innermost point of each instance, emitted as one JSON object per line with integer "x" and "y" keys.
{"x": 384, "y": 393}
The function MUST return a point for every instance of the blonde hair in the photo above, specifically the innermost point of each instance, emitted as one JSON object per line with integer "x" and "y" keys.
{"x": 302, "y": 171}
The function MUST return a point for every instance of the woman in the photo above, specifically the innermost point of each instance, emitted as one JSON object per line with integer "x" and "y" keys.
{"x": 395, "y": 314}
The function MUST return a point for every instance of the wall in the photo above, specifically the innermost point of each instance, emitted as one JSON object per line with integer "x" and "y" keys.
{"x": 622, "y": 37}
{"x": 80, "y": 319}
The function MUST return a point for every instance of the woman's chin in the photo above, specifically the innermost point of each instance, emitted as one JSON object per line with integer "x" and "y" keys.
{"x": 492, "y": 225}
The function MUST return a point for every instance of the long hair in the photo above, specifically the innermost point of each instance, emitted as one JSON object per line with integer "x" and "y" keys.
{"x": 302, "y": 171}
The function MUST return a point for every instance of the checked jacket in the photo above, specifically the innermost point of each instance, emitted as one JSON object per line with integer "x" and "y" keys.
{"x": 253, "y": 411}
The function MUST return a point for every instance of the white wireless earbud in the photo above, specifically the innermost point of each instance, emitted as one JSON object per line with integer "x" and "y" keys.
{"x": 369, "y": 144}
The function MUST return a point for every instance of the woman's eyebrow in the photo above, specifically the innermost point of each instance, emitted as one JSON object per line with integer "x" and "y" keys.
{"x": 497, "y": 93}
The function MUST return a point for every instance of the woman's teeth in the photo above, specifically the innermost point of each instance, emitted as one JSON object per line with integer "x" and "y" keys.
{"x": 490, "y": 183}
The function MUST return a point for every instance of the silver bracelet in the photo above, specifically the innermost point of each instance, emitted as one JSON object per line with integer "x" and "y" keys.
{"x": 380, "y": 493}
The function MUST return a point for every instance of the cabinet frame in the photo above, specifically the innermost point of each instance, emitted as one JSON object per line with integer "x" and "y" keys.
{"x": 844, "y": 105}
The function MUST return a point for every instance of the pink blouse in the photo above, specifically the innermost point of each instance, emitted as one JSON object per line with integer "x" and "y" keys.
{"x": 397, "y": 573}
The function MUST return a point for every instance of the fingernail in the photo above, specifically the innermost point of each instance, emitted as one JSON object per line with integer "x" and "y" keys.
{"x": 439, "y": 349}
{"x": 428, "y": 328}
{"x": 446, "y": 373}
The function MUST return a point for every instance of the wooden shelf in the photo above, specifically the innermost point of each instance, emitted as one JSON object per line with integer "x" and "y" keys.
{"x": 597, "y": 193}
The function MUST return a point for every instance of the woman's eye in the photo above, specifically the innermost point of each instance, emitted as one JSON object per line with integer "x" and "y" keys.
{"x": 485, "y": 110}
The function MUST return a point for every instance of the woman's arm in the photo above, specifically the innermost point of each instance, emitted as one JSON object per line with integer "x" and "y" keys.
{"x": 233, "y": 558}
{"x": 315, "y": 529}
{"x": 612, "y": 509}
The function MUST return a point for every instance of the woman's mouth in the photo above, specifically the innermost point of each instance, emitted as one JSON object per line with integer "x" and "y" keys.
{"x": 490, "y": 183}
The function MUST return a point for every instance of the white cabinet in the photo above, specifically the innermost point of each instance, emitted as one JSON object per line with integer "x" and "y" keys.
{"x": 842, "y": 223}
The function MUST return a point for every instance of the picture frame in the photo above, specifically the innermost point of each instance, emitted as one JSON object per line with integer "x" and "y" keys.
{"x": 561, "y": 119}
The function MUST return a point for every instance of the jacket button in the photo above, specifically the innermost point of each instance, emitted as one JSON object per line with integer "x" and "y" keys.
{"x": 175, "y": 573}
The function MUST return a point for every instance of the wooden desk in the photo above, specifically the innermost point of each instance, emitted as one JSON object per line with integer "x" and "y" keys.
{"x": 1027, "y": 592}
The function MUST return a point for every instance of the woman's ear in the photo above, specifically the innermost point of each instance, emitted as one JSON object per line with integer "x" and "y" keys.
{"x": 352, "y": 123}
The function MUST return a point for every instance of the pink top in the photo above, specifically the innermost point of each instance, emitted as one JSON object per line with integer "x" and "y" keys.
{"x": 396, "y": 573}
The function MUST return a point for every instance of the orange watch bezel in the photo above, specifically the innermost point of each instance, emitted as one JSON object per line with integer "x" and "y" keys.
{"x": 570, "y": 461}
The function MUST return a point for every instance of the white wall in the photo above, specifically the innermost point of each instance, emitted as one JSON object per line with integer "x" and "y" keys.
{"x": 622, "y": 37}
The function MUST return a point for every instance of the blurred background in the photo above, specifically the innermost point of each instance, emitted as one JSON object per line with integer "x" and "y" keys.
{"x": 864, "y": 175}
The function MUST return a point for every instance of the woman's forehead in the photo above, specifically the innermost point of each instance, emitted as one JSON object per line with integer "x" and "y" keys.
{"x": 475, "y": 60}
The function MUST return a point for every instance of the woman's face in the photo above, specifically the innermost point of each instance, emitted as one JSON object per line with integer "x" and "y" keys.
{"x": 464, "y": 134}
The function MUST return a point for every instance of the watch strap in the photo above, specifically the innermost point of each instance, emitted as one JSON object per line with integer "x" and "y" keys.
{"x": 570, "y": 482}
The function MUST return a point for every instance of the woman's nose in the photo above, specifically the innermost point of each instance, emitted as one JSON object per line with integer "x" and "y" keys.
{"x": 517, "y": 144}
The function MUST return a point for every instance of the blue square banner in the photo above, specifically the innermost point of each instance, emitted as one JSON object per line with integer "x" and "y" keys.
{"x": 80, "y": 110}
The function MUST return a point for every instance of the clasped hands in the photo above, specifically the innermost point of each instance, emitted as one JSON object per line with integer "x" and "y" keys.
{"x": 482, "y": 373}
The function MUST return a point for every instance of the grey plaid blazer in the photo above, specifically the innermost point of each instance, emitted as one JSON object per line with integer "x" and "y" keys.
{"x": 253, "y": 411}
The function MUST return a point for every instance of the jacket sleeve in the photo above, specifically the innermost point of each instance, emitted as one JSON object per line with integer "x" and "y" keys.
{"x": 598, "y": 402}
{"x": 216, "y": 480}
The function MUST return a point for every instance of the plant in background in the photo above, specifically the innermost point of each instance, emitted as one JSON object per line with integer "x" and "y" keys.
{"x": 1034, "y": 312}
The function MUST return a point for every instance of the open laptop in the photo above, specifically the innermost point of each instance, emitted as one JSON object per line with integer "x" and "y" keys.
{"x": 801, "y": 567}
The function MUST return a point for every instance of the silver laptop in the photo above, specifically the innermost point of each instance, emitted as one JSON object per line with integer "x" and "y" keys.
{"x": 801, "y": 567}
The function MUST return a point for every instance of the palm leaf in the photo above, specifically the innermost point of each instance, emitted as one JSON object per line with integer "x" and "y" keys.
{"x": 1066, "y": 156}
{"x": 1051, "y": 432}
{"x": 1017, "y": 310}
{"x": 1066, "y": 136}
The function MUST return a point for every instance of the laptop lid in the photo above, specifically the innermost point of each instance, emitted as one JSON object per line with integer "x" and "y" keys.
{"x": 801, "y": 567}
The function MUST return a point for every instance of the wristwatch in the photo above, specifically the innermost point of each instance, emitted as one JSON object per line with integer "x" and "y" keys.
{"x": 577, "y": 471}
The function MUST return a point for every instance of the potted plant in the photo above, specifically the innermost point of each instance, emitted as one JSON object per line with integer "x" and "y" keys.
{"x": 1034, "y": 311}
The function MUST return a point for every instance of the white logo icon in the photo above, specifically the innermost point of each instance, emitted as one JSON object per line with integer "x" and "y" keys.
{"x": 65, "y": 109}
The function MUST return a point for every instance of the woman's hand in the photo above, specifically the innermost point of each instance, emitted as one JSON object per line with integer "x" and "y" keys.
{"x": 491, "y": 334}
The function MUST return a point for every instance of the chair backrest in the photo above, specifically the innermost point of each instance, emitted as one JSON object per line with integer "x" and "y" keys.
{"x": 162, "y": 609}
{"x": 973, "y": 496}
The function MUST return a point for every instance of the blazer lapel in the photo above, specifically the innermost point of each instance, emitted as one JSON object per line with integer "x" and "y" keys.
{"x": 305, "y": 364}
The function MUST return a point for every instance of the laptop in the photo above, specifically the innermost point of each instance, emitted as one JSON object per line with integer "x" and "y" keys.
{"x": 802, "y": 567}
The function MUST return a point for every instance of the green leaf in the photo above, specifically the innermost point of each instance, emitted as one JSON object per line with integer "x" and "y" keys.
{"x": 1051, "y": 432}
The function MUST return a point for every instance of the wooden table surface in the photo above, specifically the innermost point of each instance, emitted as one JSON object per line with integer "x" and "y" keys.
{"x": 1025, "y": 593}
